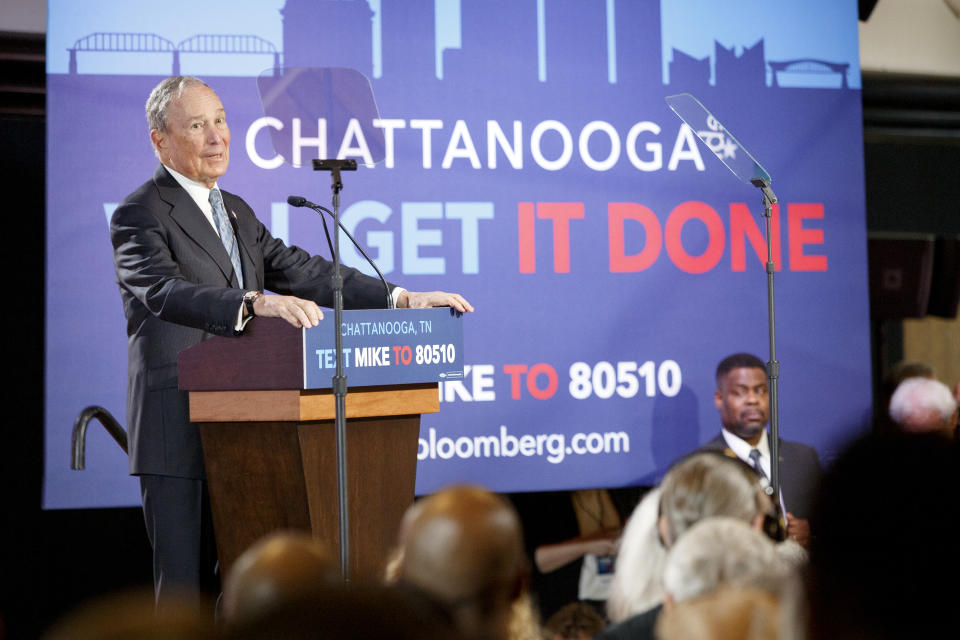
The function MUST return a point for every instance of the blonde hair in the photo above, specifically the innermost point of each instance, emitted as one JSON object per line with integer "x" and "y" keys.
{"x": 709, "y": 484}
{"x": 638, "y": 579}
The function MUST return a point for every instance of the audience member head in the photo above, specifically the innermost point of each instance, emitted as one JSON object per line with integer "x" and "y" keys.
{"x": 710, "y": 484}
{"x": 391, "y": 571}
{"x": 742, "y": 396}
{"x": 464, "y": 547}
{"x": 729, "y": 613}
{"x": 575, "y": 621}
{"x": 354, "y": 612}
{"x": 886, "y": 544}
{"x": 921, "y": 405}
{"x": 721, "y": 551}
{"x": 281, "y": 567}
{"x": 896, "y": 374}
{"x": 132, "y": 616}
{"x": 638, "y": 581}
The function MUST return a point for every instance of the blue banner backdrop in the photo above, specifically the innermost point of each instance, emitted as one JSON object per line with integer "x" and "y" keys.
{"x": 532, "y": 164}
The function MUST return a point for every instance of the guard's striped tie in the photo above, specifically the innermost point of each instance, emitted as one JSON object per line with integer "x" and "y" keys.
{"x": 755, "y": 456}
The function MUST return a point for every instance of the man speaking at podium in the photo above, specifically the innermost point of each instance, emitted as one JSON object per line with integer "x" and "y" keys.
{"x": 192, "y": 260}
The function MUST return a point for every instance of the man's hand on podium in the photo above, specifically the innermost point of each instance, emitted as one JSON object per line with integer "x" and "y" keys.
{"x": 305, "y": 313}
{"x": 424, "y": 299}
{"x": 297, "y": 311}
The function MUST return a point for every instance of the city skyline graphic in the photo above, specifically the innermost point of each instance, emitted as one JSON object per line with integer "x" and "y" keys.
{"x": 617, "y": 43}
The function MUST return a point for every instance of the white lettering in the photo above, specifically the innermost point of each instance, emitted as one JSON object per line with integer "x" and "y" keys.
{"x": 355, "y": 132}
{"x": 655, "y": 148}
{"x": 565, "y": 154}
{"x": 300, "y": 141}
{"x": 496, "y": 136}
{"x": 251, "y": 143}
{"x": 584, "y": 145}
{"x": 388, "y": 125}
{"x": 685, "y": 148}
{"x": 426, "y": 126}
{"x": 461, "y": 135}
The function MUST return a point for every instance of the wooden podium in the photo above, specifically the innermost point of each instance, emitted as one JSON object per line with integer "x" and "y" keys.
{"x": 270, "y": 446}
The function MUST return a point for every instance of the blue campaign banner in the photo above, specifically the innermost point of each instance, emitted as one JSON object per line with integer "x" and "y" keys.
{"x": 384, "y": 347}
{"x": 531, "y": 163}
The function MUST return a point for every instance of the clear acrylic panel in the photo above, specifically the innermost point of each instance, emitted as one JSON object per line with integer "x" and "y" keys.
{"x": 717, "y": 138}
{"x": 321, "y": 112}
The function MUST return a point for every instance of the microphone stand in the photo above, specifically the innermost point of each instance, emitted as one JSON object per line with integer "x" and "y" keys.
{"x": 773, "y": 367}
{"x": 693, "y": 113}
{"x": 339, "y": 378}
{"x": 298, "y": 201}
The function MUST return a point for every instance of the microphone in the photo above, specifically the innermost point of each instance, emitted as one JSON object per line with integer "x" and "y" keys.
{"x": 299, "y": 201}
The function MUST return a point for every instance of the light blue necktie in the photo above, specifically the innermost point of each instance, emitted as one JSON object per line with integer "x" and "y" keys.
{"x": 225, "y": 229}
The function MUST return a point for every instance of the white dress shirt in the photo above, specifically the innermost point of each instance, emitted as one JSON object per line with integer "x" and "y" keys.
{"x": 742, "y": 448}
{"x": 200, "y": 194}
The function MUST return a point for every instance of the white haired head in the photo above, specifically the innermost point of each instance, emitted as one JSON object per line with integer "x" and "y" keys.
{"x": 924, "y": 405}
{"x": 163, "y": 94}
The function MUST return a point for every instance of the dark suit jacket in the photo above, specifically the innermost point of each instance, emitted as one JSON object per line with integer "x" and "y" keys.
{"x": 178, "y": 288}
{"x": 799, "y": 473}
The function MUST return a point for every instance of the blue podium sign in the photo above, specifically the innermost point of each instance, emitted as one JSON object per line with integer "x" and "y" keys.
{"x": 380, "y": 346}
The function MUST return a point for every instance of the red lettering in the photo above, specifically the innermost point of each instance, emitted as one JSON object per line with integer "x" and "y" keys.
{"x": 745, "y": 228}
{"x": 550, "y": 389}
{"x": 526, "y": 238}
{"x": 684, "y": 212}
{"x": 617, "y": 214}
{"x": 743, "y": 224}
{"x": 797, "y": 212}
{"x": 561, "y": 214}
{"x": 406, "y": 354}
{"x": 515, "y": 371}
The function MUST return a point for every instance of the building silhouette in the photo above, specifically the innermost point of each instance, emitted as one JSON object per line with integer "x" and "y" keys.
{"x": 313, "y": 34}
{"x": 408, "y": 39}
{"x": 746, "y": 70}
{"x": 687, "y": 71}
{"x": 639, "y": 42}
{"x": 576, "y": 42}
{"x": 496, "y": 35}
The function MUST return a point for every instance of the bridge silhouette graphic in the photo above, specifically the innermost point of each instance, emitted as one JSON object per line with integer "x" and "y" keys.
{"x": 809, "y": 65}
{"x": 103, "y": 42}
